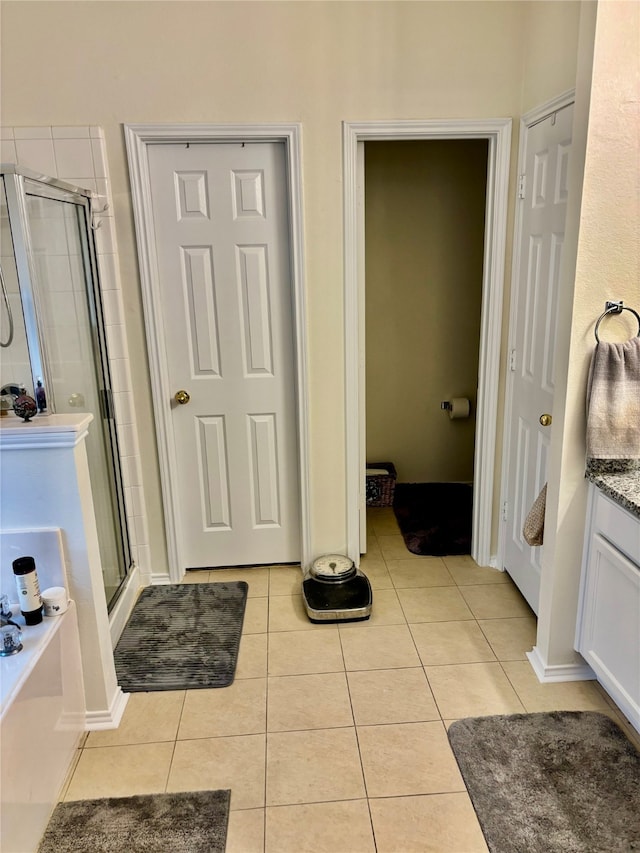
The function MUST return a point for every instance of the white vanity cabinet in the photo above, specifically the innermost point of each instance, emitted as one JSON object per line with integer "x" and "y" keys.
{"x": 608, "y": 627}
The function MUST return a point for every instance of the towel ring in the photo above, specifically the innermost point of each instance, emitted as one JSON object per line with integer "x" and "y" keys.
{"x": 615, "y": 308}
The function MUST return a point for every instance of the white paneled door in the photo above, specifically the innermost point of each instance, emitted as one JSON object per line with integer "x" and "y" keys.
{"x": 543, "y": 196}
{"x": 221, "y": 227}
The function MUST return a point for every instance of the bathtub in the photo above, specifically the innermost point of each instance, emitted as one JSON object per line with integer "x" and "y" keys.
{"x": 42, "y": 708}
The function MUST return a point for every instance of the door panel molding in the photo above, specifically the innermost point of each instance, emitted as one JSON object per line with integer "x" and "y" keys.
{"x": 138, "y": 138}
{"x": 498, "y": 134}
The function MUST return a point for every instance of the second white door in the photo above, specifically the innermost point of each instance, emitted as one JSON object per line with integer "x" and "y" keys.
{"x": 220, "y": 217}
{"x": 541, "y": 238}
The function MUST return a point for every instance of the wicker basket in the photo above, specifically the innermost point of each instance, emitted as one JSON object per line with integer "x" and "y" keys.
{"x": 380, "y": 487}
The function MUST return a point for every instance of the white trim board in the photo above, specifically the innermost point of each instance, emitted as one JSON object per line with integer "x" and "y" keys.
{"x": 138, "y": 137}
{"x": 551, "y": 673}
{"x": 498, "y": 134}
{"x": 97, "y": 721}
{"x": 124, "y": 605}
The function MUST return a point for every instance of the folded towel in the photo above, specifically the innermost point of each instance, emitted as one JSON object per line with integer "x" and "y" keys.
{"x": 613, "y": 405}
{"x": 533, "y": 530}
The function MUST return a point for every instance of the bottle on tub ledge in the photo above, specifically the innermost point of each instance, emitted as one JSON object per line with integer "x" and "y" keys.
{"x": 29, "y": 598}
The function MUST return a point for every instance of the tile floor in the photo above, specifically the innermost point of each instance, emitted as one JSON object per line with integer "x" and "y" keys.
{"x": 333, "y": 737}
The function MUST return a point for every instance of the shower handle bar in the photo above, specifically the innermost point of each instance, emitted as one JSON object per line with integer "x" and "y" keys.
{"x": 5, "y": 297}
{"x": 25, "y": 267}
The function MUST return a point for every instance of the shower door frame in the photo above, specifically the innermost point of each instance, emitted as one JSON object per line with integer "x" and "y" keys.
{"x": 20, "y": 182}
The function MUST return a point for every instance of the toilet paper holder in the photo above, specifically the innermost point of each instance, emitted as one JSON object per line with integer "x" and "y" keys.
{"x": 457, "y": 407}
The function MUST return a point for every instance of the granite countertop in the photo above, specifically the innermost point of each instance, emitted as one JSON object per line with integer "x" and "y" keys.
{"x": 624, "y": 489}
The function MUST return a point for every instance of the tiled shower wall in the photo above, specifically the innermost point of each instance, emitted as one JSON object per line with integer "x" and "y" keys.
{"x": 77, "y": 155}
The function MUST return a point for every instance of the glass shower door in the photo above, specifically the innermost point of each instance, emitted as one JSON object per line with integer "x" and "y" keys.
{"x": 72, "y": 336}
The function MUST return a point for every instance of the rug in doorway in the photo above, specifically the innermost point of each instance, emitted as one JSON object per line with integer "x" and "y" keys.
{"x": 192, "y": 822}
{"x": 182, "y": 637}
{"x": 435, "y": 518}
{"x": 560, "y": 782}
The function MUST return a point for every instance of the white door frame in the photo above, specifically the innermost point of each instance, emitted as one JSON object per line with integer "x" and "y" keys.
{"x": 528, "y": 120}
{"x": 498, "y": 134}
{"x": 138, "y": 137}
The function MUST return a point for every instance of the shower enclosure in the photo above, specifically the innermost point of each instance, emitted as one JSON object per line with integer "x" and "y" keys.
{"x": 52, "y": 338}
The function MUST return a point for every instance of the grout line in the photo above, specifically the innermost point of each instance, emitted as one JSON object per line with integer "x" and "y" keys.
{"x": 170, "y": 767}
{"x": 70, "y": 774}
{"x": 266, "y": 721}
{"x": 175, "y": 741}
{"x": 355, "y": 727}
{"x": 325, "y": 802}
{"x": 430, "y": 689}
{"x": 513, "y": 687}
{"x": 136, "y": 743}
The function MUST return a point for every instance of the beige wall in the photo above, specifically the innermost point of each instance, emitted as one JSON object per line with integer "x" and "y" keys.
{"x": 550, "y": 51}
{"x": 319, "y": 63}
{"x": 424, "y": 227}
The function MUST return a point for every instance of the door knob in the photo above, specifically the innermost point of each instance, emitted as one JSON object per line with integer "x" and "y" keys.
{"x": 545, "y": 420}
{"x": 182, "y": 397}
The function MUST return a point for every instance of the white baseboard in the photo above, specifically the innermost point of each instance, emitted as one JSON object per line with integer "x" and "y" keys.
{"x": 548, "y": 673}
{"x": 158, "y": 579}
{"x": 110, "y": 718}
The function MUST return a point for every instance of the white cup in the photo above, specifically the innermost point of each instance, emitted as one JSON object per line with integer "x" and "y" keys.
{"x": 55, "y": 600}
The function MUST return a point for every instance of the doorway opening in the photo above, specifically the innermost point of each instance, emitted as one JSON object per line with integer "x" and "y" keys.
{"x": 424, "y": 216}
{"x": 495, "y": 134}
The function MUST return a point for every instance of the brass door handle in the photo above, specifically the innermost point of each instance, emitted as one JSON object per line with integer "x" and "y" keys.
{"x": 182, "y": 397}
{"x": 545, "y": 420}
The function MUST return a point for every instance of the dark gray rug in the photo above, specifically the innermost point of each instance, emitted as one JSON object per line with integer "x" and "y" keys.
{"x": 182, "y": 637}
{"x": 562, "y": 782}
{"x": 193, "y": 822}
{"x": 435, "y": 518}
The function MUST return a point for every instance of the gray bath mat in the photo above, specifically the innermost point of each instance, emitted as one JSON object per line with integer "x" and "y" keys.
{"x": 182, "y": 637}
{"x": 435, "y": 518}
{"x": 563, "y": 782}
{"x": 193, "y": 822}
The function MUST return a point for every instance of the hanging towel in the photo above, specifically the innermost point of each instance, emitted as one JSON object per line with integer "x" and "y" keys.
{"x": 533, "y": 530}
{"x": 613, "y": 407}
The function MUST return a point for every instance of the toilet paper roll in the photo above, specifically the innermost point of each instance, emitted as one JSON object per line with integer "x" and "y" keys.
{"x": 55, "y": 600}
{"x": 459, "y": 407}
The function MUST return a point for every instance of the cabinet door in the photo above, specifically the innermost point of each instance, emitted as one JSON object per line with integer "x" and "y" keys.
{"x": 609, "y": 637}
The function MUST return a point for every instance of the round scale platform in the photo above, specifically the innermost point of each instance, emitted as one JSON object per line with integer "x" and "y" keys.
{"x": 334, "y": 590}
